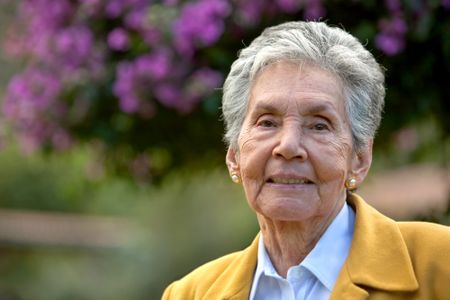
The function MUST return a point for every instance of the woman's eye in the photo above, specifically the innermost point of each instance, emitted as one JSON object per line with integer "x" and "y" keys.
{"x": 321, "y": 126}
{"x": 266, "y": 123}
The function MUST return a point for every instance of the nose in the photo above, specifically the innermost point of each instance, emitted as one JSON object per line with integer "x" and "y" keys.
{"x": 290, "y": 144}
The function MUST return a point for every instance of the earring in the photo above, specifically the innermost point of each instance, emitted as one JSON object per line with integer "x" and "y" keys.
{"x": 350, "y": 183}
{"x": 235, "y": 177}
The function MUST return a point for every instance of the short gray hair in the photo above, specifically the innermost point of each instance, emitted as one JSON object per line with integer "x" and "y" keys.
{"x": 327, "y": 47}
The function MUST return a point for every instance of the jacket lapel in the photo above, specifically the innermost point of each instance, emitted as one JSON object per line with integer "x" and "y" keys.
{"x": 346, "y": 289}
{"x": 378, "y": 257}
{"x": 236, "y": 280}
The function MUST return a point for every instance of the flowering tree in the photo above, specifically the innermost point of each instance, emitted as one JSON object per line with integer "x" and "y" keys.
{"x": 140, "y": 77}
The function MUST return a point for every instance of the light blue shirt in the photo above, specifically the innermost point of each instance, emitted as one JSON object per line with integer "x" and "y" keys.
{"x": 315, "y": 276}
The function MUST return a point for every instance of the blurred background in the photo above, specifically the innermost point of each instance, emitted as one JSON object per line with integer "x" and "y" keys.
{"x": 112, "y": 175}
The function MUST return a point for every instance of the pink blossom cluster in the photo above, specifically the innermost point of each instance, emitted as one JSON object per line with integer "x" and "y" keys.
{"x": 391, "y": 38}
{"x": 139, "y": 54}
{"x": 200, "y": 23}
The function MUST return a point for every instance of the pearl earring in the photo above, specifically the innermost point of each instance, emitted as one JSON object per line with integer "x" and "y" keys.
{"x": 350, "y": 183}
{"x": 235, "y": 177}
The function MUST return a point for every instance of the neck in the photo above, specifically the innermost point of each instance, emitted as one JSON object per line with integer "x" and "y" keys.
{"x": 288, "y": 243}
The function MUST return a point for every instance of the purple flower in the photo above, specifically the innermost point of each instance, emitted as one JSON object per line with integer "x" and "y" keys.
{"x": 289, "y": 6}
{"x": 204, "y": 81}
{"x": 446, "y": 4}
{"x": 135, "y": 19}
{"x": 394, "y": 6}
{"x": 31, "y": 105}
{"x": 151, "y": 35}
{"x": 170, "y": 2}
{"x": 129, "y": 104}
{"x": 46, "y": 15}
{"x": 30, "y": 93}
{"x": 138, "y": 20}
{"x": 94, "y": 3}
{"x": 199, "y": 24}
{"x": 39, "y": 132}
{"x": 114, "y": 8}
{"x": 135, "y": 79}
{"x": 168, "y": 94}
{"x": 91, "y": 8}
{"x": 248, "y": 13}
{"x": 391, "y": 39}
{"x": 156, "y": 65}
{"x": 201, "y": 83}
{"x": 40, "y": 20}
{"x": 124, "y": 87}
{"x": 399, "y": 25}
{"x": 135, "y": 4}
{"x": 72, "y": 47}
{"x": 314, "y": 10}
{"x": 389, "y": 43}
{"x": 57, "y": 37}
{"x": 396, "y": 25}
{"x": 127, "y": 87}
{"x": 118, "y": 39}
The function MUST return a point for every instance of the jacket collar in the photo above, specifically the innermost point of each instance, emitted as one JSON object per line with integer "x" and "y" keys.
{"x": 235, "y": 282}
{"x": 377, "y": 243}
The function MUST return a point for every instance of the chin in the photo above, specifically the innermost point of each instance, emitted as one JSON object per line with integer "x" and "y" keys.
{"x": 286, "y": 210}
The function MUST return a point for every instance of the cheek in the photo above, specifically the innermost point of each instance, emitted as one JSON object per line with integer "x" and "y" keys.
{"x": 332, "y": 161}
{"x": 253, "y": 157}
{"x": 251, "y": 160}
{"x": 254, "y": 154}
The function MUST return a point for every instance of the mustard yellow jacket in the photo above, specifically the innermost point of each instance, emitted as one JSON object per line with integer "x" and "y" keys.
{"x": 387, "y": 260}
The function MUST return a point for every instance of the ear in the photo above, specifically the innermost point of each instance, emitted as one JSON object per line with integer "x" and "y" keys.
{"x": 232, "y": 161}
{"x": 361, "y": 163}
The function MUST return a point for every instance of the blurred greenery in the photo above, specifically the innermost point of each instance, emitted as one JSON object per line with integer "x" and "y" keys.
{"x": 36, "y": 182}
{"x": 175, "y": 223}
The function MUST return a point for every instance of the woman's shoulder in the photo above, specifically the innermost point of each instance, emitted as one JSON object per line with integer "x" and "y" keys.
{"x": 200, "y": 279}
{"x": 226, "y": 271}
{"x": 212, "y": 269}
{"x": 428, "y": 246}
{"x": 422, "y": 233}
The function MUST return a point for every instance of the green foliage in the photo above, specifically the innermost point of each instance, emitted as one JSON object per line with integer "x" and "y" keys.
{"x": 42, "y": 183}
{"x": 173, "y": 226}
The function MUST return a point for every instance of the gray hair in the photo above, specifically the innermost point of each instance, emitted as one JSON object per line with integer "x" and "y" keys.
{"x": 327, "y": 47}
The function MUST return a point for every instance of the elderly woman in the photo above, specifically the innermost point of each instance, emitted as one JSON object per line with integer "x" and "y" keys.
{"x": 301, "y": 105}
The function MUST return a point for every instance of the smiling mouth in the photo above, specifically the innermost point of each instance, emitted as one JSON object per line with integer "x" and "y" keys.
{"x": 289, "y": 181}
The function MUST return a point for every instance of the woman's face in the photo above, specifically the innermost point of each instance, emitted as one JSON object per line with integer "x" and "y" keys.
{"x": 295, "y": 146}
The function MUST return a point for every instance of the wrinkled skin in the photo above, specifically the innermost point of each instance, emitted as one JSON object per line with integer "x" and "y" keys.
{"x": 295, "y": 153}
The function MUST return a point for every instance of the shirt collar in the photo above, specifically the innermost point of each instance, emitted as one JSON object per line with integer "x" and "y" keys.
{"x": 326, "y": 259}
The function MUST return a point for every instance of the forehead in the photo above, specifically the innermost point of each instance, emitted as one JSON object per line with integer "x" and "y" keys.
{"x": 310, "y": 87}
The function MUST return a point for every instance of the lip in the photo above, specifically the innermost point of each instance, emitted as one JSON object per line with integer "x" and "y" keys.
{"x": 288, "y": 179}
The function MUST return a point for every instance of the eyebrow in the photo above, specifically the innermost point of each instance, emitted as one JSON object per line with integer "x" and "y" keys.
{"x": 309, "y": 109}
{"x": 318, "y": 108}
{"x": 266, "y": 107}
